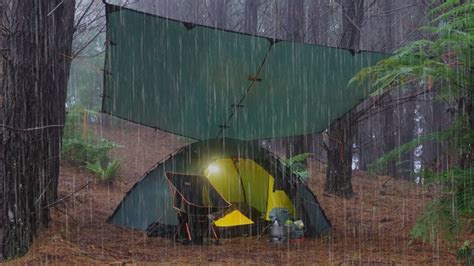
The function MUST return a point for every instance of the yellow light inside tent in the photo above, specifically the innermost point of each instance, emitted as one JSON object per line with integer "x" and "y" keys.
{"x": 213, "y": 169}
{"x": 245, "y": 181}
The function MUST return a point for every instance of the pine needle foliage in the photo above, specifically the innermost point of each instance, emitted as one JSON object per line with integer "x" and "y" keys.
{"x": 458, "y": 136}
{"x": 445, "y": 60}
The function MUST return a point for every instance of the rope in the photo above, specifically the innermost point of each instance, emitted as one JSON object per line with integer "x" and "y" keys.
{"x": 54, "y": 9}
{"x": 255, "y": 79}
{"x": 31, "y": 128}
{"x": 67, "y": 197}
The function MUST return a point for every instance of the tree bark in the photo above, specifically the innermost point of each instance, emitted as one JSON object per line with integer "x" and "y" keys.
{"x": 406, "y": 126}
{"x": 296, "y": 21}
{"x": 219, "y": 13}
{"x": 35, "y": 70}
{"x": 295, "y": 32}
{"x": 352, "y": 18}
{"x": 251, "y": 16}
{"x": 341, "y": 132}
{"x": 466, "y": 106}
{"x": 388, "y": 130}
{"x": 339, "y": 156}
{"x": 388, "y": 137}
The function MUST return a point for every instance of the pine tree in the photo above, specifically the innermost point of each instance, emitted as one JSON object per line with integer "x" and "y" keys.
{"x": 444, "y": 61}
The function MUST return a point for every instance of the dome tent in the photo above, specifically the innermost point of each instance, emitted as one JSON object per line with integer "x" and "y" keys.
{"x": 250, "y": 178}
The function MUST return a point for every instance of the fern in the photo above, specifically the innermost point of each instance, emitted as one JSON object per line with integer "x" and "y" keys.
{"x": 466, "y": 253}
{"x": 436, "y": 220}
{"x": 80, "y": 145}
{"x": 444, "y": 215}
{"x": 458, "y": 136}
{"x": 105, "y": 174}
{"x": 83, "y": 151}
{"x": 446, "y": 60}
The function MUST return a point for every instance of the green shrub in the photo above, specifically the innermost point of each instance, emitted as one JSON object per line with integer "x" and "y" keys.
{"x": 465, "y": 253}
{"x": 298, "y": 166}
{"x": 82, "y": 151}
{"x": 83, "y": 148}
{"x": 74, "y": 127}
{"x": 105, "y": 174}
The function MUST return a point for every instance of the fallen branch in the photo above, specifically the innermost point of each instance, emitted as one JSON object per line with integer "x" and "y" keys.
{"x": 386, "y": 181}
{"x": 65, "y": 213}
{"x": 264, "y": 230}
{"x": 68, "y": 196}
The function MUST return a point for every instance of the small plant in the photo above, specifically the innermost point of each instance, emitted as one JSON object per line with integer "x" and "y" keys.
{"x": 83, "y": 148}
{"x": 82, "y": 151}
{"x": 465, "y": 253}
{"x": 80, "y": 145}
{"x": 105, "y": 174}
{"x": 298, "y": 166}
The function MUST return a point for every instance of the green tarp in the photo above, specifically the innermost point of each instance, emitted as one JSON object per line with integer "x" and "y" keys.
{"x": 203, "y": 82}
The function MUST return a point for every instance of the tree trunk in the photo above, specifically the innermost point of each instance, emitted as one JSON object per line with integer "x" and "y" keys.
{"x": 251, "y": 16}
{"x": 339, "y": 156}
{"x": 352, "y": 17}
{"x": 34, "y": 79}
{"x": 389, "y": 132}
{"x": 466, "y": 107}
{"x": 388, "y": 137}
{"x": 341, "y": 132}
{"x": 296, "y": 21}
{"x": 219, "y": 13}
{"x": 295, "y": 24}
{"x": 406, "y": 125}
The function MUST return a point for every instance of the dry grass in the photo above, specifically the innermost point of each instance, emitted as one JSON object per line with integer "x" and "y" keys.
{"x": 370, "y": 229}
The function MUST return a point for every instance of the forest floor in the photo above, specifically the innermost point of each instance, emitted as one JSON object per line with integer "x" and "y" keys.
{"x": 370, "y": 229}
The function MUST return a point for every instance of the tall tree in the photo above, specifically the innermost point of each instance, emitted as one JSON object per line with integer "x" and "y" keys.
{"x": 218, "y": 13}
{"x": 36, "y": 39}
{"x": 444, "y": 60}
{"x": 341, "y": 132}
{"x": 386, "y": 28}
{"x": 251, "y": 16}
{"x": 295, "y": 30}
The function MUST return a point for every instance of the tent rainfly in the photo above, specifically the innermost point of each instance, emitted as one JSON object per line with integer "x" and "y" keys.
{"x": 202, "y": 82}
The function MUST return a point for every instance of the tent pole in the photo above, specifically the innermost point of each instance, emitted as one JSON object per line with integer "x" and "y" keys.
{"x": 240, "y": 178}
{"x": 268, "y": 193}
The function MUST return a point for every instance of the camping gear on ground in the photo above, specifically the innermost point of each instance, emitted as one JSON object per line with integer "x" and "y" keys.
{"x": 299, "y": 224}
{"x": 277, "y": 234}
{"x": 249, "y": 177}
{"x": 287, "y": 232}
{"x": 202, "y": 82}
{"x": 279, "y": 214}
{"x": 292, "y": 232}
{"x": 195, "y": 200}
{"x": 283, "y": 228}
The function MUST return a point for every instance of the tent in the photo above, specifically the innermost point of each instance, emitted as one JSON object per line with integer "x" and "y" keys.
{"x": 196, "y": 200}
{"x": 250, "y": 180}
{"x": 225, "y": 89}
{"x": 203, "y": 82}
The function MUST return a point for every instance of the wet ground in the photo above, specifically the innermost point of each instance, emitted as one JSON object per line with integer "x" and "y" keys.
{"x": 370, "y": 229}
